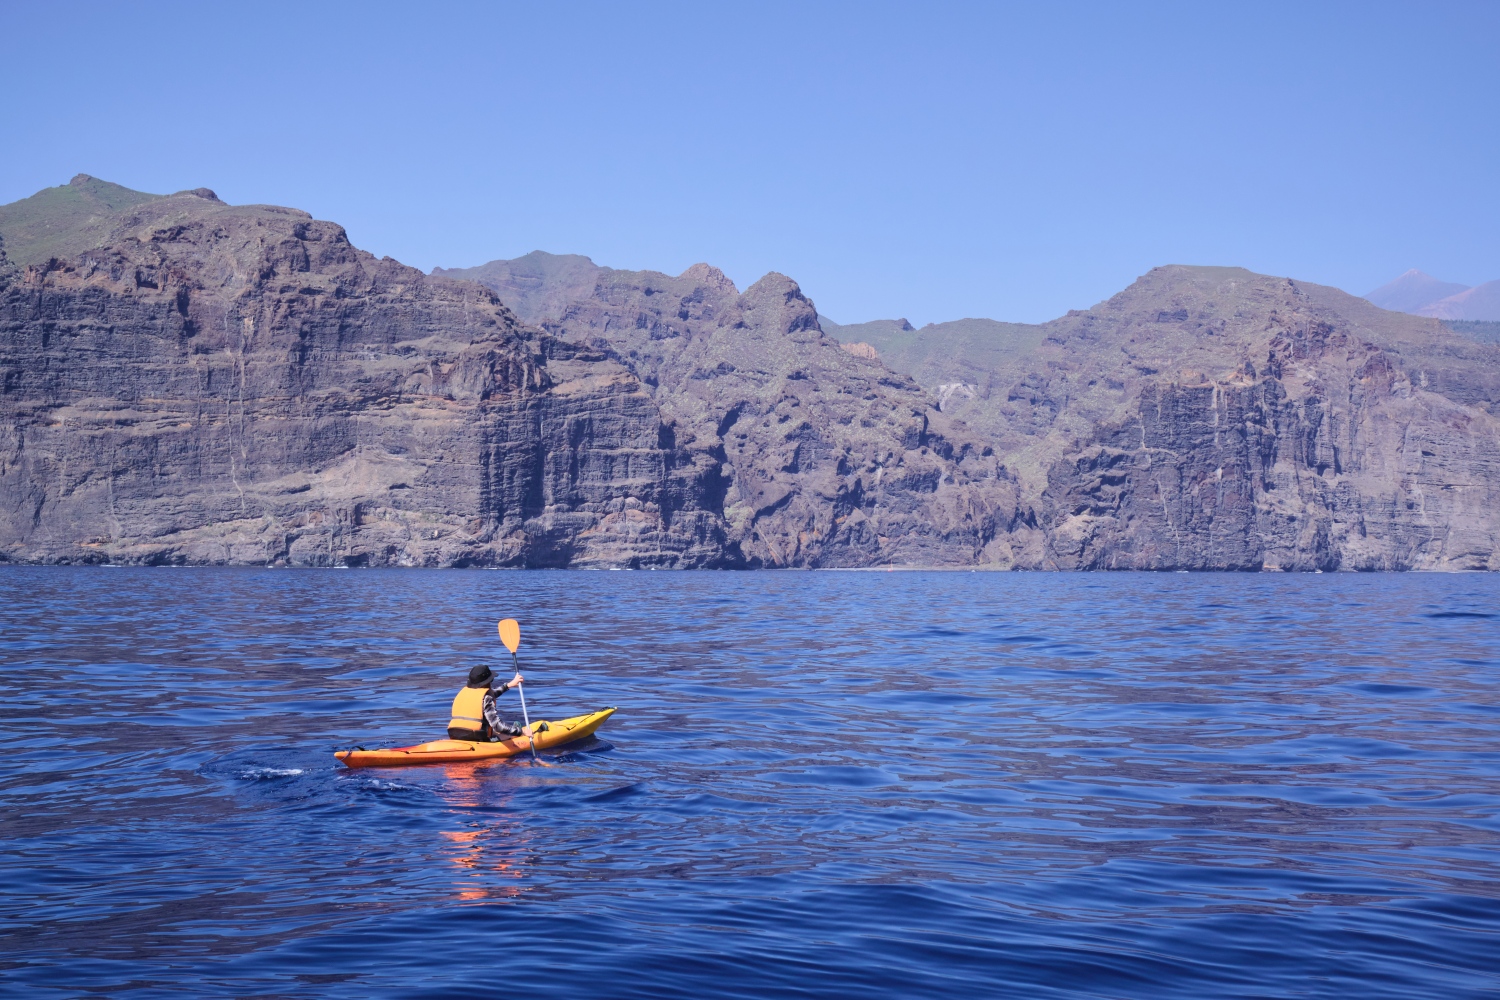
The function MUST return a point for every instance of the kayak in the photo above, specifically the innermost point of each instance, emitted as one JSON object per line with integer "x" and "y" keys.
{"x": 459, "y": 751}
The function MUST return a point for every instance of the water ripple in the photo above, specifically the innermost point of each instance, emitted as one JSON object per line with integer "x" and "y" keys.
{"x": 818, "y": 785}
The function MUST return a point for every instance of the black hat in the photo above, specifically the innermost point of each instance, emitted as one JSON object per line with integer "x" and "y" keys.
{"x": 479, "y": 676}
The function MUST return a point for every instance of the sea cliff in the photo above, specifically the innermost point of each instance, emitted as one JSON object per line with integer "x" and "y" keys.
{"x": 184, "y": 381}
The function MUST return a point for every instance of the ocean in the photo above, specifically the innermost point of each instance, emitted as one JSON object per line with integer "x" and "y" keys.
{"x": 817, "y": 785}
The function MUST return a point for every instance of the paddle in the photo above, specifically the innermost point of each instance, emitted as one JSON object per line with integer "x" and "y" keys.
{"x": 510, "y": 634}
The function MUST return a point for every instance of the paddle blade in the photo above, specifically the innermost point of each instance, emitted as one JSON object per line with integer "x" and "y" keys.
{"x": 510, "y": 634}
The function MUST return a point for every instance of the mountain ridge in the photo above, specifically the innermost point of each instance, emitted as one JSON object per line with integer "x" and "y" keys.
{"x": 1311, "y": 380}
{"x": 71, "y": 218}
{"x": 752, "y": 379}
{"x": 1478, "y": 304}
{"x": 239, "y": 384}
{"x": 209, "y": 383}
{"x": 1423, "y": 295}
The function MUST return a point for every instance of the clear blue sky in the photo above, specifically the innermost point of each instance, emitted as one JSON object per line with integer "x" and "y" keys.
{"x": 922, "y": 160}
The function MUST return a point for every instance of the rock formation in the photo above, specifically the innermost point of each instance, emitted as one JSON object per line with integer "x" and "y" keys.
{"x": 826, "y": 458}
{"x": 220, "y": 384}
{"x": 1271, "y": 424}
{"x": 1211, "y": 418}
{"x": 185, "y": 381}
{"x": 206, "y": 383}
{"x": 1204, "y": 418}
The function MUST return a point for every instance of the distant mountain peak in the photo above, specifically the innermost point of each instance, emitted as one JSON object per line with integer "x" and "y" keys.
{"x": 1480, "y": 303}
{"x": 546, "y": 257}
{"x": 1413, "y": 291}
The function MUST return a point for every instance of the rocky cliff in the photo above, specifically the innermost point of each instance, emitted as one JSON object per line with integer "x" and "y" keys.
{"x": 1212, "y": 418}
{"x": 823, "y": 458}
{"x": 219, "y": 384}
{"x": 185, "y": 381}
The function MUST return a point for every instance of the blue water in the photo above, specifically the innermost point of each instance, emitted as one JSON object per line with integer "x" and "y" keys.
{"x": 817, "y": 785}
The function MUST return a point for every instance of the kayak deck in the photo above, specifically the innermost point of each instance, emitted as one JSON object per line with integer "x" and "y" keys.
{"x": 459, "y": 751}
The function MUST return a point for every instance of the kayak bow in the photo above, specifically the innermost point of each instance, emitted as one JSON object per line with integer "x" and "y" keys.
{"x": 458, "y": 751}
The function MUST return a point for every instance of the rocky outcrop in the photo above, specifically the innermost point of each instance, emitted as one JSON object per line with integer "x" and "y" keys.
{"x": 1211, "y": 418}
{"x": 824, "y": 458}
{"x": 185, "y": 381}
{"x": 241, "y": 385}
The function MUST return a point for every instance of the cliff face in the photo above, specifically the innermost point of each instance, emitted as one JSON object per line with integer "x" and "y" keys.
{"x": 218, "y": 384}
{"x": 1212, "y": 418}
{"x": 1303, "y": 429}
{"x": 823, "y": 458}
{"x": 205, "y": 383}
{"x": 184, "y": 381}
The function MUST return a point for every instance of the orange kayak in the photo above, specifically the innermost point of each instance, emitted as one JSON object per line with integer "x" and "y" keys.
{"x": 458, "y": 751}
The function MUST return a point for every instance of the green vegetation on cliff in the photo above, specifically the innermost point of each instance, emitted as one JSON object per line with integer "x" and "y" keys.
{"x": 66, "y": 220}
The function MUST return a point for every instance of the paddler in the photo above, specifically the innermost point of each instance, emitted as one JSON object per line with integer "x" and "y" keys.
{"x": 475, "y": 717}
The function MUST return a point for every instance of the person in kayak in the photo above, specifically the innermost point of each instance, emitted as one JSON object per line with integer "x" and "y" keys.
{"x": 475, "y": 717}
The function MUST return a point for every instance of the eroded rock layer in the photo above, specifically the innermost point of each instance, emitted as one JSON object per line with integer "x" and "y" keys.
{"x": 825, "y": 458}
{"x": 185, "y": 381}
{"x": 1212, "y": 418}
{"x": 240, "y": 385}
{"x": 1304, "y": 429}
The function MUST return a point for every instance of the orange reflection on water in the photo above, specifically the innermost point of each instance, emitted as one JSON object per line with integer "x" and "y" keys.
{"x": 489, "y": 856}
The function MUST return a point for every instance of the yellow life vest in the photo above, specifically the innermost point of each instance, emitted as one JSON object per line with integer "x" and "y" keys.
{"x": 468, "y": 709}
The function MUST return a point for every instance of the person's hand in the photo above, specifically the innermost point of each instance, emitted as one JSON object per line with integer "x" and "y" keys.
{"x": 516, "y": 680}
{"x": 526, "y": 731}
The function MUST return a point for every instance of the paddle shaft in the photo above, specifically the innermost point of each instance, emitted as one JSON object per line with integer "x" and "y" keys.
{"x": 520, "y": 690}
